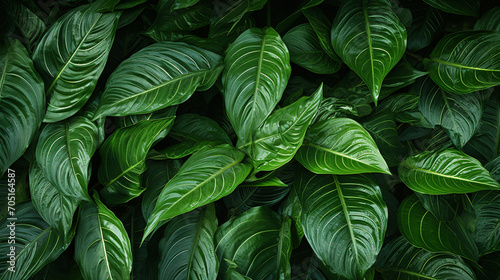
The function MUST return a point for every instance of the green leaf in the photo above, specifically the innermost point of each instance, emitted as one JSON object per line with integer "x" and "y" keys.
{"x": 306, "y": 51}
{"x": 465, "y": 62}
{"x": 400, "y": 260}
{"x": 489, "y": 21}
{"x": 340, "y": 146}
{"x": 63, "y": 153}
{"x": 445, "y": 172}
{"x": 257, "y": 69}
{"x": 187, "y": 249}
{"x": 244, "y": 198}
{"x": 424, "y": 230}
{"x": 494, "y": 168}
{"x": 36, "y": 243}
{"x": 489, "y": 266}
{"x": 158, "y": 76}
{"x": 458, "y": 115}
{"x": 321, "y": 25}
{"x": 71, "y": 56}
{"x": 344, "y": 219}
{"x": 443, "y": 207}
{"x": 232, "y": 11}
{"x": 427, "y": 25}
{"x": 123, "y": 157}
{"x": 130, "y": 120}
{"x": 459, "y": 7}
{"x": 277, "y": 140}
{"x": 303, "y": 5}
{"x": 55, "y": 208}
{"x": 486, "y": 205}
{"x": 22, "y": 102}
{"x": 370, "y": 39}
{"x": 30, "y": 26}
{"x": 205, "y": 177}
{"x": 102, "y": 246}
{"x": 257, "y": 244}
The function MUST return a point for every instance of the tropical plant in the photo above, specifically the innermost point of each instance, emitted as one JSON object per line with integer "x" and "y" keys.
{"x": 235, "y": 139}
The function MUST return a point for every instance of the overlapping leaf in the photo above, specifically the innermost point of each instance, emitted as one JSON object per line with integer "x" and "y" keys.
{"x": 187, "y": 249}
{"x": 370, "y": 39}
{"x": 459, "y": 7}
{"x": 486, "y": 205}
{"x": 123, "y": 157}
{"x": 22, "y": 102}
{"x": 427, "y": 25}
{"x": 29, "y": 25}
{"x": 102, "y": 246}
{"x": 489, "y": 21}
{"x": 158, "y": 76}
{"x": 244, "y": 198}
{"x": 321, "y": 25}
{"x": 225, "y": 12}
{"x": 445, "y": 172}
{"x": 423, "y": 230}
{"x": 205, "y": 177}
{"x": 340, "y": 146}
{"x": 345, "y": 228}
{"x": 71, "y": 56}
{"x": 257, "y": 70}
{"x": 465, "y": 62}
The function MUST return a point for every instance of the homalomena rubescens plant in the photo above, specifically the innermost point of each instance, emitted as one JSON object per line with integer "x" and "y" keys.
{"x": 235, "y": 139}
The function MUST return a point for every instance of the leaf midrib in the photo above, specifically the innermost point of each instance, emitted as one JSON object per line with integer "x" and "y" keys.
{"x": 463, "y": 66}
{"x": 259, "y": 71}
{"x": 446, "y": 176}
{"x": 103, "y": 243}
{"x": 370, "y": 47}
{"x": 196, "y": 238}
{"x": 399, "y": 270}
{"x": 346, "y": 215}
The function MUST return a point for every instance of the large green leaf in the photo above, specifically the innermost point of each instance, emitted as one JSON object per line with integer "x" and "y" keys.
{"x": 370, "y": 39}
{"x": 424, "y": 230}
{"x": 344, "y": 219}
{"x": 29, "y": 25}
{"x": 340, "y": 146}
{"x": 489, "y": 21}
{"x": 158, "y": 76}
{"x": 22, "y": 102}
{"x": 459, "y": 7}
{"x": 257, "y": 70}
{"x": 36, "y": 243}
{"x": 187, "y": 249}
{"x": 486, "y": 205}
{"x": 465, "y": 62}
{"x": 55, "y": 208}
{"x": 458, "y": 115}
{"x": 426, "y": 27}
{"x": 71, "y": 56}
{"x": 64, "y": 151}
{"x": 306, "y": 51}
{"x": 400, "y": 260}
{"x": 205, "y": 177}
{"x": 445, "y": 172}
{"x": 102, "y": 246}
{"x": 277, "y": 140}
{"x": 256, "y": 244}
{"x": 123, "y": 157}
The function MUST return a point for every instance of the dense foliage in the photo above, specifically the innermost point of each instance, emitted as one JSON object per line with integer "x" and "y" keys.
{"x": 250, "y": 139}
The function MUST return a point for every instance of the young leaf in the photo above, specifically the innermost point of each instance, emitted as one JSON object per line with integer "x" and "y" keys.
{"x": 257, "y": 242}
{"x": 465, "y": 62}
{"x": 22, "y": 102}
{"x": 158, "y": 76}
{"x": 257, "y": 70}
{"x": 340, "y": 146}
{"x": 187, "y": 249}
{"x": 445, "y": 172}
{"x": 345, "y": 228}
{"x": 71, "y": 56}
{"x": 102, "y": 246}
{"x": 277, "y": 140}
{"x": 205, "y": 177}
{"x": 123, "y": 158}
{"x": 423, "y": 230}
{"x": 370, "y": 39}
{"x": 63, "y": 153}
{"x": 459, "y": 7}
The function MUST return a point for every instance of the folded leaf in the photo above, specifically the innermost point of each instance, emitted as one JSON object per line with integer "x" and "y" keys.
{"x": 205, "y": 177}
{"x": 22, "y": 102}
{"x": 459, "y": 7}
{"x": 123, "y": 157}
{"x": 277, "y": 140}
{"x": 256, "y": 244}
{"x": 102, "y": 246}
{"x": 423, "y": 230}
{"x": 344, "y": 219}
{"x": 158, "y": 76}
{"x": 187, "y": 249}
{"x": 370, "y": 39}
{"x": 445, "y": 172}
{"x": 340, "y": 146}
{"x": 71, "y": 56}
{"x": 257, "y": 68}
{"x": 465, "y": 62}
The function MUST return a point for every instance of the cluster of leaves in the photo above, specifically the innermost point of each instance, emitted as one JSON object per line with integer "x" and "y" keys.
{"x": 172, "y": 139}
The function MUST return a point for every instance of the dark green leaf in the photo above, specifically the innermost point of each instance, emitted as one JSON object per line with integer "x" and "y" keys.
{"x": 321, "y": 25}
{"x": 489, "y": 21}
{"x": 427, "y": 25}
{"x": 29, "y": 25}
{"x": 486, "y": 205}
{"x": 244, "y": 198}
{"x": 459, "y": 7}
{"x": 229, "y": 11}
{"x": 443, "y": 207}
